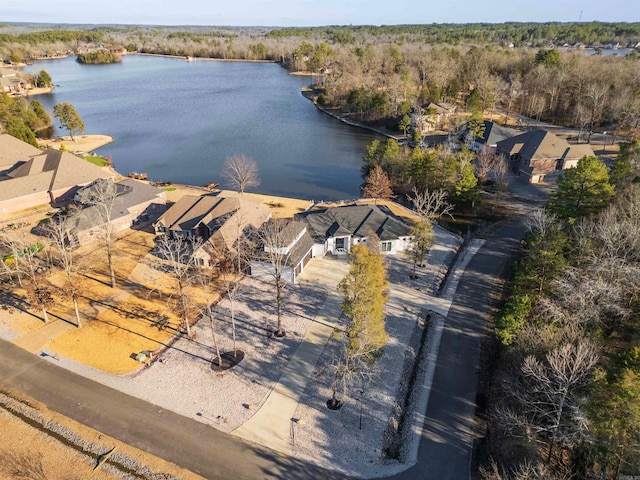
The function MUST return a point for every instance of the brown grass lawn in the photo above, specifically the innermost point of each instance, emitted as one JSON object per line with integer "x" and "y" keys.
{"x": 117, "y": 323}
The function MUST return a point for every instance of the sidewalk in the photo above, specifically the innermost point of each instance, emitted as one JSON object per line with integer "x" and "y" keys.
{"x": 36, "y": 341}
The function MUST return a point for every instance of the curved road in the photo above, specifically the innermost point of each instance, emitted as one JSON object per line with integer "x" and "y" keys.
{"x": 447, "y": 438}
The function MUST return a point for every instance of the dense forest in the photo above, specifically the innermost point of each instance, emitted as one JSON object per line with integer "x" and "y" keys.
{"x": 379, "y": 74}
{"x": 98, "y": 57}
{"x": 566, "y": 390}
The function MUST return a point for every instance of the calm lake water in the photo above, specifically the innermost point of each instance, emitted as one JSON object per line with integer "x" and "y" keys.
{"x": 178, "y": 121}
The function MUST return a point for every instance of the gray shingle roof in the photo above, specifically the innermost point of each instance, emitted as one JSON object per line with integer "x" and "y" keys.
{"x": 354, "y": 220}
{"x": 129, "y": 193}
{"x": 494, "y": 133}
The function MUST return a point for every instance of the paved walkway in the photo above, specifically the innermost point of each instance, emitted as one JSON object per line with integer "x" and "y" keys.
{"x": 35, "y": 341}
{"x": 272, "y": 424}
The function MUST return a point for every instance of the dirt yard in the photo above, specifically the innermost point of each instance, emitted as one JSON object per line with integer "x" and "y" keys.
{"x": 34, "y": 454}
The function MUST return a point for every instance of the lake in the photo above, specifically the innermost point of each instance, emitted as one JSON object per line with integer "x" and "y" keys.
{"x": 178, "y": 121}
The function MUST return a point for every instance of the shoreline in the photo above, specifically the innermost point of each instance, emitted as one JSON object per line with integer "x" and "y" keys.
{"x": 83, "y": 143}
{"x": 197, "y": 59}
{"x": 306, "y": 92}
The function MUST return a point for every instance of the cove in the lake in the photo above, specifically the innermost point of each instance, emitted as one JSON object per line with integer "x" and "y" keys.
{"x": 178, "y": 121}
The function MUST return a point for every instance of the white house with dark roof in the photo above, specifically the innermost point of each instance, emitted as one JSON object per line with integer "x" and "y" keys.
{"x": 30, "y": 177}
{"x": 336, "y": 229}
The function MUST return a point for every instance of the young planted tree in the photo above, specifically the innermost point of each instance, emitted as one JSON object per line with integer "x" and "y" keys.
{"x": 364, "y": 291}
{"x": 377, "y": 185}
{"x": 211, "y": 315}
{"x": 421, "y": 241}
{"x": 233, "y": 287}
{"x": 99, "y": 199}
{"x": 241, "y": 172}
{"x": 179, "y": 265}
{"x": 276, "y": 237}
{"x": 57, "y": 230}
{"x": 69, "y": 119}
{"x": 26, "y": 264}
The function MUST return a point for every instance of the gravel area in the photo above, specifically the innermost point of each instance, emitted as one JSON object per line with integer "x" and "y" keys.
{"x": 353, "y": 439}
{"x": 183, "y": 381}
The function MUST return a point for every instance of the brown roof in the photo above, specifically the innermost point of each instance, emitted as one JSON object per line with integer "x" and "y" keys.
{"x": 191, "y": 210}
{"x": 250, "y": 213}
{"x": 13, "y": 151}
{"x": 579, "y": 151}
{"x": 49, "y": 171}
{"x": 539, "y": 145}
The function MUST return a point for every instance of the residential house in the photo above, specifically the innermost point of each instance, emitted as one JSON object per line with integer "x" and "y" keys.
{"x": 135, "y": 203}
{"x": 336, "y": 229}
{"x": 536, "y": 153}
{"x": 30, "y": 177}
{"x": 485, "y": 139}
{"x": 295, "y": 251}
{"x": 216, "y": 221}
{"x": 117, "y": 49}
{"x": 10, "y": 82}
{"x": 432, "y": 116}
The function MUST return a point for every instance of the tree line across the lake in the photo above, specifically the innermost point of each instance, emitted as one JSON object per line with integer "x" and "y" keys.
{"x": 377, "y": 75}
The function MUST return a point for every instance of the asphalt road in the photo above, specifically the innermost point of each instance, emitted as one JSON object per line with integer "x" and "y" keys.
{"x": 181, "y": 440}
{"x": 447, "y": 437}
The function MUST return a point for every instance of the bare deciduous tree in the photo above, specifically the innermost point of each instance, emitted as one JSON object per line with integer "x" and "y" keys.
{"x": 178, "y": 253}
{"x": 431, "y": 204}
{"x": 99, "y": 199}
{"x": 57, "y": 230}
{"x": 276, "y": 237}
{"x": 241, "y": 172}
{"x": 541, "y": 221}
{"x": 27, "y": 265}
{"x": 549, "y": 397}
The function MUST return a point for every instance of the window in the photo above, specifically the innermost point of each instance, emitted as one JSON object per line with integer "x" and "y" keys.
{"x": 385, "y": 247}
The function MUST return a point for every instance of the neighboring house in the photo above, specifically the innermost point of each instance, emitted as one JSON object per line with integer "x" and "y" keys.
{"x": 10, "y": 82}
{"x": 491, "y": 134}
{"x": 135, "y": 203}
{"x": 296, "y": 251}
{"x": 216, "y": 221}
{"x": 536, "y": 153}
{"x": 431, "y": 116}
{"x": 335, "y": 230}
{"x": 30, "y": 177}
{"x": 117, "y": 49}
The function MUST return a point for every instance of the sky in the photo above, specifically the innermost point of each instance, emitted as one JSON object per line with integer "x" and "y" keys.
{"x": 314, "y": 12}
